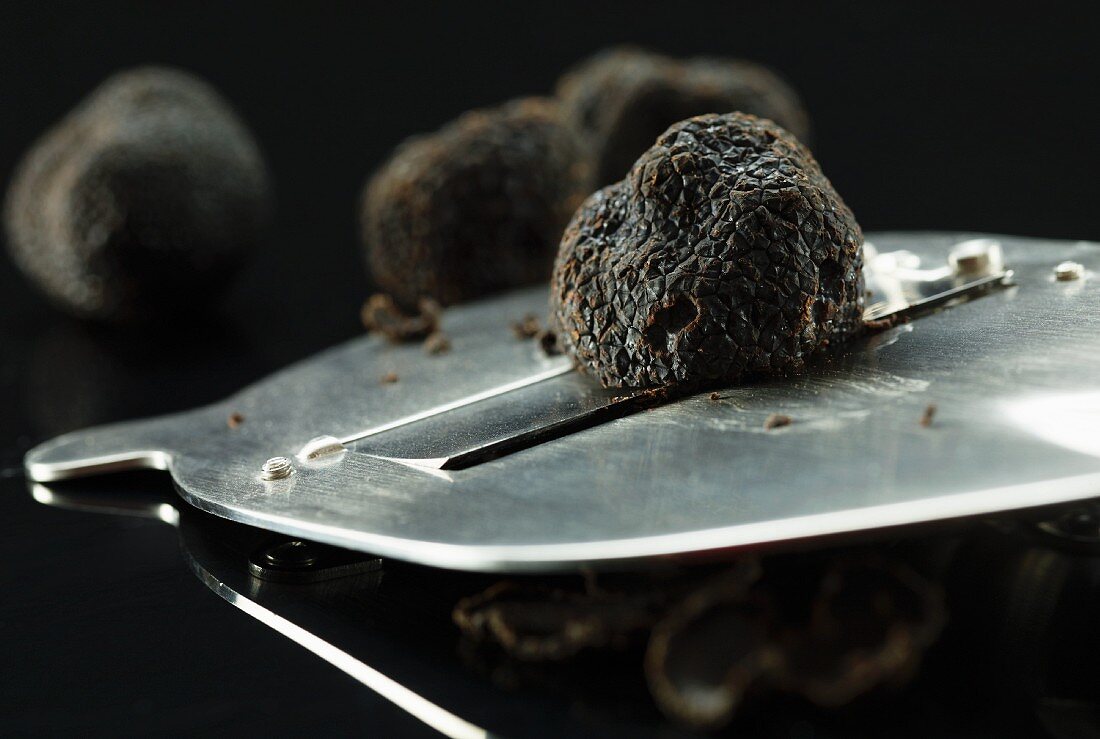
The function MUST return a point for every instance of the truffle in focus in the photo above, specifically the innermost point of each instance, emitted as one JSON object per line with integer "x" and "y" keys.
{"x": 476, "y": 207}
{"x": 146, "y": 198}
{"x": 622, "y": 99}
{"x": 724, "y": 253}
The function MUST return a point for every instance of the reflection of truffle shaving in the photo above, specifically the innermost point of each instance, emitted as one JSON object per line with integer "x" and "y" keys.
{"x": 543, "y": 623}
{"x": 622, "y": 99}
{"x": 724, "y": 253}
{"x": 828, "y": 630}
{"x": 827, "y": 627}
{"x": 477, "y": 207}
{"x": 869, "y": 624}
{"x": 145, "y": 198}
{"x": 706, "y": 653}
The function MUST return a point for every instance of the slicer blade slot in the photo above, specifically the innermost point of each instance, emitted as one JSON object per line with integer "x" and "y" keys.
{"x": 562, "y": 367}
{"x": 903, "y": 288}
{"x": 967, "y": 291}
{"x": 501, "y": 424}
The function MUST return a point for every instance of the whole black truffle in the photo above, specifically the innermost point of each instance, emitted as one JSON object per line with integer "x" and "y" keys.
{"x": 145, "y": 198}
{"x": 477, "y": 207}
{"x": 725, "y": 252}
{"x": 622, "y": 99}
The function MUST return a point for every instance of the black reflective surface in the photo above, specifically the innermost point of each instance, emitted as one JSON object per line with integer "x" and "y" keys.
{"x": 106, "y": 629}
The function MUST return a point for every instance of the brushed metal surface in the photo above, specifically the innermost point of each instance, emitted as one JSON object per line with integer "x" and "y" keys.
{"x": 1013, "y": 374}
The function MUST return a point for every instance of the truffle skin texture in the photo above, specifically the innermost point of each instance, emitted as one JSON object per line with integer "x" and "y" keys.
{"x": 146, "y": 198}
{"x": 724, "y": 253}
{"x": 622, "y": 99}
{"x": 475, "y": 208}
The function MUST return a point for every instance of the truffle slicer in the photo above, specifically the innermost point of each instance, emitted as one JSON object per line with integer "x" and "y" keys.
{"x": 496, "y": 457}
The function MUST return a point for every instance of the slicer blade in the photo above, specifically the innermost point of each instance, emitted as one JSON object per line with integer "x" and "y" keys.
{"x": 497, "y": 457}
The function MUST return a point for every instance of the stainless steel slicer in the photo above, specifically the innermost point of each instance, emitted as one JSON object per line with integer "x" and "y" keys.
{"x": 495, "y": 456}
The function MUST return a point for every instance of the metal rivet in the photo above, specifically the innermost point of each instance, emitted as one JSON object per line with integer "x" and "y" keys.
{"x": 276, "y": 468}
{"x": 1067, "y": 271}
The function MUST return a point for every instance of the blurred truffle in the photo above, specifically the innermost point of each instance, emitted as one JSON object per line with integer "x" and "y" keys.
{"x": 724, "y": 253}
{"x": 144, "y": 199}
{"x": 477, "y": 207}
{"x": 622, "y": 99}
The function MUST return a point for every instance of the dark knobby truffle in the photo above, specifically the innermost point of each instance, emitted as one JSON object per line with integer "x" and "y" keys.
{"x": 724, "y": 253}
{"x": 145, "y": 198}
{"x": 622, "y": 99}
{"x": 475, "y": 208}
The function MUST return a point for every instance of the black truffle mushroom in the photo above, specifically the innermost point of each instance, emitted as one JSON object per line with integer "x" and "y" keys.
{"x": 622, "y": 99}
{"x": 724, "y": 253}
{"x": 145, "y": 198}
{"x": 475, "y": 208}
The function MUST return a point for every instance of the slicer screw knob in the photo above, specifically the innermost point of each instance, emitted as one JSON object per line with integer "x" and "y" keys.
{"x": 1079, "y": 526}
{"x": 976, "y": 258}
{"x": 276, "y": 468}
{"x": 291, "y": 554}
{"x": 1067, "y": 271}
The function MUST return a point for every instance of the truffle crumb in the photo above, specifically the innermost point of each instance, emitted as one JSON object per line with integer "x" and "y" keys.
{"x": 389, "y": 378}
{"x": 777, "y": 420}
{"x": 724, "y": 253}
{"x": 527, "y": 328}
{"x": 875, "y": 325}
{"x": 548, "y": 342}
{"x": 234, "y": 420}
{"x": 543, "y": 623}
{"x": 382, "y": 315}
{"x": 929, "y": 414}
{"x": 437, "y": 343}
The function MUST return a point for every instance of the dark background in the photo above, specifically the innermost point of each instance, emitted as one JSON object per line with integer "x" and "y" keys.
{"x": 926, "y": 116}
{"x": 964, "y": 116}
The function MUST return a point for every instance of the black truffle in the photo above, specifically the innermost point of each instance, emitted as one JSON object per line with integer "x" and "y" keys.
{"x": 724, "y": 253}
{"x": 475, "y": 208}
{"x": 622, "y": 99}
{"x": 145, "y": 198}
